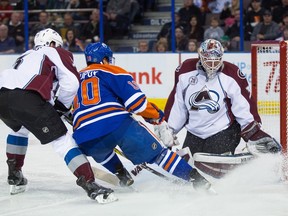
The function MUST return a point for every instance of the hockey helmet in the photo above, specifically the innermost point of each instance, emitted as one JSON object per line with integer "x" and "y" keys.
{"x": 46, "y": 36}
{"x": 96, "y": 52}
{"x": 210, "y": 54}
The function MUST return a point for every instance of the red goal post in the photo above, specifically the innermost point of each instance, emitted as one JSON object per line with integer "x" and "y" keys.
{"x": 269, "y": 86}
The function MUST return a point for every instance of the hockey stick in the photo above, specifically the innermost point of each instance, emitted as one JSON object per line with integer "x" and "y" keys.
{"x": 140, "y": 167}
{"x": 105, "y": 176}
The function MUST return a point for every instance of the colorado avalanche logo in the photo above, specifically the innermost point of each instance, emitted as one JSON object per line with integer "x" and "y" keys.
{"x": 205, "y": 99}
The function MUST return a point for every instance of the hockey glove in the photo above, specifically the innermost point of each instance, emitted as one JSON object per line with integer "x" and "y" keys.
{"x": 258, "y": 141}
{"x": 60, "y": 108}
{"x": 166, "y": 134}
{"x": 68, "y": 117}
{"x": 155, "y": 121}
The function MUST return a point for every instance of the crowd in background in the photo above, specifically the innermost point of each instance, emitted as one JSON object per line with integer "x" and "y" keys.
{"x": 195, "y": 21}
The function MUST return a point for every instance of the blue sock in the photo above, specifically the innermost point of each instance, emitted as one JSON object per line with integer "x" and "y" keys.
{"x": 174, "y": 164}
{"x": 112, "y": 163}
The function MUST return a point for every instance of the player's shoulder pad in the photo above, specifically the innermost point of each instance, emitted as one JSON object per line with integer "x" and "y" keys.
{"x": 111, "y": 69}
{"x": 62, "y": 52}
{"x": 232, "y": 70}
{"x": 187, "y": 65}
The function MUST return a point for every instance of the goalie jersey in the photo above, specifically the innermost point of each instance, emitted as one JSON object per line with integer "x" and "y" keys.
{"x": 107, "y": 95}
{"x": 204, "y": 107}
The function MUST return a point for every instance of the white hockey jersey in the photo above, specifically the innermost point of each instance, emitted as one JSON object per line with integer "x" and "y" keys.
{"x": 39, "y": 69}
{"x": 204, "y": 107}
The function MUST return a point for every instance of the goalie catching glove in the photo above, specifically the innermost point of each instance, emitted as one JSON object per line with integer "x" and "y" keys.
{"x": 166, "y": 134}
{"x": 258, "y": 141}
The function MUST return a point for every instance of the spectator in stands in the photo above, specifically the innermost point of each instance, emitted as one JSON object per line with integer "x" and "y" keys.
{"x": 7, "y": 43}
{"x": 135, "y": 11}
{"x": 225, "y": 41}
{"x": 72, "y": 43}
{"x": 270, "y": 4}
{"x": 16, "y": 30}
{"x": 285, "y": 34}
{"x": 253, "y": 17}
{"x": 86, "y": 4}
{"x": 216, "y": 6}
{"x": 143, "y": 46}
{"x": 32, "y": 5}
{"x": 166, "y": 28}
{"x": 227, "y": 14}
{"x": 284, "y": 24}
{"x": 57, "y": 4}
{"x": 188, "y": 10}
{"x": 147, "y": 5}
{"x": 161, "y": 46}
{"x": 279, "y": 11}
{"x": 42, "y": 4}
{"x": 5, "y": 17}
{"x": 91, "y": 31}
{"x": 181, "y": 40}
{"x": 44, "y": 23}
{"x": 192, "y": 45}
{"x": 233, "y": 32}
{"x": 118, "y": 12}
{"x": 266, "y": 30}
{"x": 68, "y": 23}
{"x": 195, "y": 29}
{"x": 75, "y": 4}
{"x": 214, "y": 31}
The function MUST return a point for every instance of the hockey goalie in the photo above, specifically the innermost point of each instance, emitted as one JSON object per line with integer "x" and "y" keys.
{"x": 212, "y": 101}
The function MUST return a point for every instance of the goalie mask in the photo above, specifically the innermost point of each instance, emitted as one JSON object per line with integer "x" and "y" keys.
{"x": 46, "y": 37}
{"x": 96, "y": 52}
{"x": 210, "y": 54}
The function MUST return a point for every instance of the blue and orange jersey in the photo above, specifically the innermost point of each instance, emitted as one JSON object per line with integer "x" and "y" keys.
{"x": 106, "y": 96}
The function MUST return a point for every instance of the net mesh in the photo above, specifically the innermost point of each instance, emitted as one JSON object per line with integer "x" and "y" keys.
{"x": 271, "y": 77}
{"x": 268, "y": 87}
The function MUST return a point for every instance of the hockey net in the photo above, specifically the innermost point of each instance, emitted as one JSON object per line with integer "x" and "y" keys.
{"x": 269, "y": 68}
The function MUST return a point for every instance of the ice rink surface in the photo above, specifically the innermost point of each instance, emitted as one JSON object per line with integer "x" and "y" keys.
{"x": 254, "y": 189}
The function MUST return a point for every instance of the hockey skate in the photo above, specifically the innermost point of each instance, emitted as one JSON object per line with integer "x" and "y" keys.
{"x": 125, "y": 179}
{"x": 15, "y": 179}
{"x": 96, "y": 192}
{"x": 200, "y": 183}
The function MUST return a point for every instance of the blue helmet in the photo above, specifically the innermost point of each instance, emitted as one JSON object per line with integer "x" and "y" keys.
{"x": 96, "y": 52}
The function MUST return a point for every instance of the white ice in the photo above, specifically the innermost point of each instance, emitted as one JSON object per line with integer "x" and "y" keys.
{"x": 252, "y": 190}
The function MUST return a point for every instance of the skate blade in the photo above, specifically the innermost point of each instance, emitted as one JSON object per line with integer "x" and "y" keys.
{"x": 207, "y": 189}
{"x": 111, "y": 198}
{"x": 14, "y": 189}
{"x": 210, "y": 190}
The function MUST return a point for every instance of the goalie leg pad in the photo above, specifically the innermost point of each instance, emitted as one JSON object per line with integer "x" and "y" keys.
{"x": 217, "y": 165}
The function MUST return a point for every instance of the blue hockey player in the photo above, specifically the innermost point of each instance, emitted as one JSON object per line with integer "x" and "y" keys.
{"x": 103, "y": 119}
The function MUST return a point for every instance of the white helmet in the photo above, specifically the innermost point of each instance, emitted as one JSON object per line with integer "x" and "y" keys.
{"x": 210, "y": 53}
{"x": 46, "y": 36}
